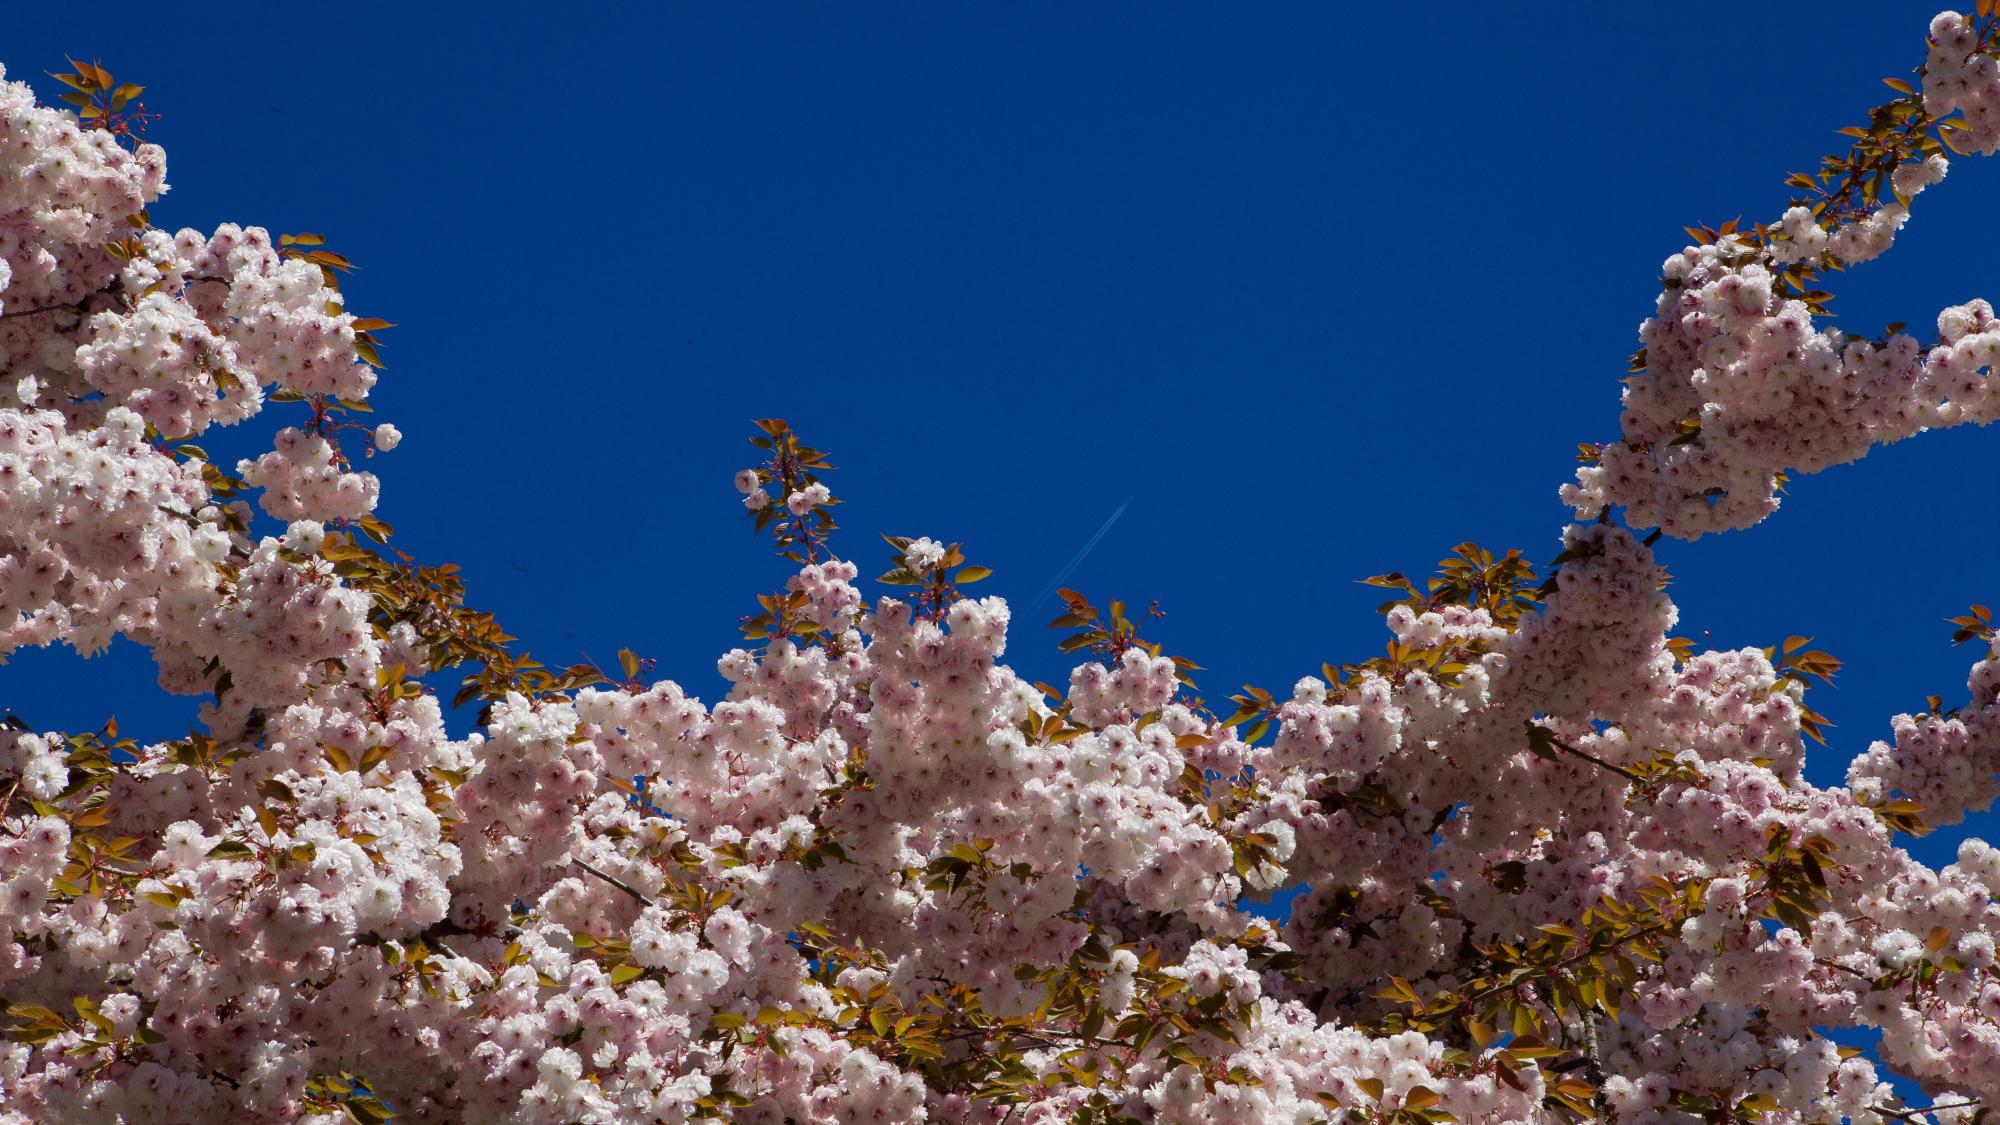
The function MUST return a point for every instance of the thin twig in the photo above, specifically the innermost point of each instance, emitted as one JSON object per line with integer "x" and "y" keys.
{"x": 1906, "y": 1114}
{"x": 75, "y": 306}
{"x": 1843, "y": 968}
{"x": 615, "y": 881}
{"x": 1596, "y": 761}
{"x": 434, "y": 933}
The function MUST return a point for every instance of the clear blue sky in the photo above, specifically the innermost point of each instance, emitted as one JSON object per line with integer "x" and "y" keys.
{"x": 1323, "y": 289}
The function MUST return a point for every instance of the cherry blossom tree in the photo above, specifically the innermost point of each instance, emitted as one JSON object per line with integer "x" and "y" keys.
{"x": 1560, "y": 865}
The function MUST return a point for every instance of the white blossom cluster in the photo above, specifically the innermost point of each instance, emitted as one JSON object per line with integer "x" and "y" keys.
{"x": 1741, "y": 387}
{"x": 600, "y": 906}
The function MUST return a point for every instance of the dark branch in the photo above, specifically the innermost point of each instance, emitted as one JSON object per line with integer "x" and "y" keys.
{"x": 75, "y": 306}
{"x": 1595, "y": 760}
{"x": 621, "y": 884}
{"x": 1906, "y": 1114}
{"x": 436, "y": 932}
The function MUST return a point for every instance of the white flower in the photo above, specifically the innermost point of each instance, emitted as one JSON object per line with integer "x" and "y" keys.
{"x": 305, "y": 536}
{"x": 923, "y": 555}
{"x": 45, "y": 777}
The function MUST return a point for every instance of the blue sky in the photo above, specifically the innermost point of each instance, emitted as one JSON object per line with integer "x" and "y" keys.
{"x": 1322, "y": 290}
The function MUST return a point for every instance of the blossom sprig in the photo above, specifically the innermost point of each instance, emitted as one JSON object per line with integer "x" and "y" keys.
{"x": 105, "y": 103}
{"x": 799, "y": 519}
{"x": 428, "y": 602}
{"x": 1894, "y": 157}
{"x": 1113, "y": 635}
{"x": 1471, "y": 576}
{"x": 929, "y": 565}
{"x": 1800, "y": 664}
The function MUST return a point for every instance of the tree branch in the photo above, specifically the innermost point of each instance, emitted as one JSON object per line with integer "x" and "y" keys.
{"x": 1593, "y": 759}
{"x": 621, "y": 884}
{"x": 1594, "y": 1061}
{"x": 434, "y": 933}
{"x": 75, "y": 306}
{"x": 1843, "y": 968}
{"x": 1906, "y": 1114}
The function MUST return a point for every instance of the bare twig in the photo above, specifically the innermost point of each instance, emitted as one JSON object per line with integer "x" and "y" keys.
{"x": 75, "y": 306}
{"x": 1593, "y": 759}
{"x": 436, "y": 931}
{"x": 1906, "y": 1114}
{"x": 615, "y": 881}
{"x": 1843, "y": 968}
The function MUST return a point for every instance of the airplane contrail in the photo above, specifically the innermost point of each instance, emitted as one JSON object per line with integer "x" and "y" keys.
{"x": 1063, "y": 574}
